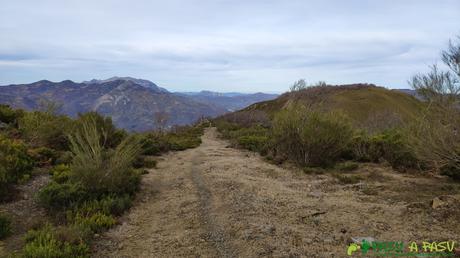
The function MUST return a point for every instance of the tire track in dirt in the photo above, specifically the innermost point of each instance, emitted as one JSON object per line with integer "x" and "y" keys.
{"x": 216, "y": 234}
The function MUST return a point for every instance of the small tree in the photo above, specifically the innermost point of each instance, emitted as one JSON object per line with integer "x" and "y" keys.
{"x": 435, "y": 137}
{"x": 299, "y": 85}
{"x": 161, "y": 119}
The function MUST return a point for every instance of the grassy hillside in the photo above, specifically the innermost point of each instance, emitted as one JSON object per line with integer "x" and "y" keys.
{"x": 360, "y": 102}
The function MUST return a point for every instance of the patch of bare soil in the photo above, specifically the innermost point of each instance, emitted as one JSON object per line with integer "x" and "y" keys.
{"x": 214, "y": 201}
{"x": 24, "y": 213}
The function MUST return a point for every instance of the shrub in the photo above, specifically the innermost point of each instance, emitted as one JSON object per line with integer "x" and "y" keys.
{"x": 64, "y": 157}
{"x": 5, "y": 226}
{"x": 108, "y": 205}
{"x": 45, "y": 129}
{"x": 253, "y": 143}
{"x": 62, "y": 195}
{"x": 9, "y": 115}
{"x": 391, "y": 145}
{"x": 435, "y": 140}
{"x": 60, "y": 173}
{"x": 311, "y": 138}
{"x": 43, "y": 243}
{"x": 96, "y": 222}
{"x": 145, "y": 162}
{"x": 110, "y": 136}
{"x": 179, "y": 138}
{"x": 43, "y": 156}
{"x": 15, "y": 163}
{"x": 100, "y": 170}
{"x": 347, "y": 166}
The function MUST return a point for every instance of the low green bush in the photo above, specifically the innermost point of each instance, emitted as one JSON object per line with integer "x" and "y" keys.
{"x": 43, "y": 243}
{"x": 110, "y": 136}
{"x": 46, "y": 129}
{"x": 179, "y": 138}
{"x": 145, "y": 162}
{"x": 96, "y": 222}
{"x": 390, "y": 146}
{"x": 311, "y": 138}
{"x": 64, "y": 157}
{"x": 100, "y": 170}
{"x": 9, "y": 115}
{"x": 43, "y": 156}
{"x": 60, "y": 173}
{"x": 253, "y": 142}
{"x": 179, "y": 142}
{"x": 62, "y": 195}
{"x": 108, "y": 205}
{"x": 5, "y": 226}
{"x": 15, "y": 164}
{"x": 347, "y": 166}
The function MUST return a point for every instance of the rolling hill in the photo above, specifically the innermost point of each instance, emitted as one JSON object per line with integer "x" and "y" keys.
{"x": 363, "y": 103}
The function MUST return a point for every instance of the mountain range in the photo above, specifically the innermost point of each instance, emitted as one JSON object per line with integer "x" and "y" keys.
{"x": 132, "y": 103}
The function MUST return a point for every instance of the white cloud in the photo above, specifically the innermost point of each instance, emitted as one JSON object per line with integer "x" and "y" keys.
{"x": 224, "y": 45}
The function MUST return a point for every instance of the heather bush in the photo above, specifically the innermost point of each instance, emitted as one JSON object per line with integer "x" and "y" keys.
{"x": 43, "y": 156}
{"x": 391, "y": 146}
{"x": 311, "y": 138}
{"x": 59, "y": 196}
{"x": 9, "y": 115}
{"x": 15, "y": 163}
{"x": 45, "y": 243}
{"x": 46, "y": 129}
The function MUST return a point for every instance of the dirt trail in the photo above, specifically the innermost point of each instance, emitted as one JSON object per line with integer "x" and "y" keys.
{"x": 215, "y": 201}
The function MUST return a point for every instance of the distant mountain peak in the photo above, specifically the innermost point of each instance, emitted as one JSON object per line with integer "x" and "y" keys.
{"x": 141, "y": 82}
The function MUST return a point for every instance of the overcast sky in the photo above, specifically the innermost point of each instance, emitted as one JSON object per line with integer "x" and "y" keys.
{"x": 233, "y": 45}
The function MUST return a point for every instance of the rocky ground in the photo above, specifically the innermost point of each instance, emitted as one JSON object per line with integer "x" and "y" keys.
{"x": 215, "y": 201}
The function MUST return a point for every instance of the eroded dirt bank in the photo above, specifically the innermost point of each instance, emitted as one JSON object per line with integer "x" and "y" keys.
{"x": 215, "y": 201}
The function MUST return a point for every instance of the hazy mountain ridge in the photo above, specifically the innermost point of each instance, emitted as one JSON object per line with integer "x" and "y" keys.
{"x": 231, "y": 101}
{"x": 132, "y": 103}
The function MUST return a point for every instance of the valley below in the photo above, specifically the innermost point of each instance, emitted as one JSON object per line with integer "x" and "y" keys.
{"x": 217, "y": 201}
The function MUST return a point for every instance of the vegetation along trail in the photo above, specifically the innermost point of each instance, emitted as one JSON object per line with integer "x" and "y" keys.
{"x": 216, "y": 201}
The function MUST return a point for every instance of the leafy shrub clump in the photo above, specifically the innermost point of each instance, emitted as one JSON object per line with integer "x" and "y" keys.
{"x": 45, "y": 242}
{"x": 9, "y": 115}
{"x": 253, "y": 142}
{"x": 46, "y": 129}
{"x": 5, "y": 226}
{"x": 62, "y": 195}
{"x": 110, "y": 136}
{"x": 390, "y": 146}
{"x": 179, "y": 138}
{"x": 253, "y": 138}
{"x": 15, "y": 163}
{"x": 311, "y": 138}
{"x": 145, "y": 162}
{"x": 43, "y": 156}
{"x": 96, "y": 222}
{"x": 347, "y": 166}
